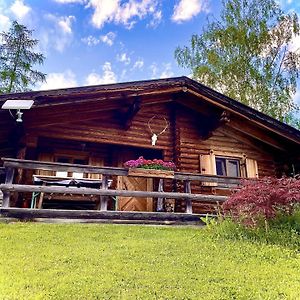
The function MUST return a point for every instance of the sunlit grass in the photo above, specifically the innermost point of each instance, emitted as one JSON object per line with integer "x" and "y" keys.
{"x": 80, "y": 261}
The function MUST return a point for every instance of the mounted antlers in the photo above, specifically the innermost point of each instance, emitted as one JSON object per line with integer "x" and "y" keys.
{"x": 155, "y": 135}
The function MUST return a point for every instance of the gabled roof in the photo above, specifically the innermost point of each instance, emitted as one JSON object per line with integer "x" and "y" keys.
{"x": 156, "y": 87}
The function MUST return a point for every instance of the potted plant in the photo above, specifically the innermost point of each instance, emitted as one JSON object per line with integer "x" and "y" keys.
{"x": 150, "y": 168}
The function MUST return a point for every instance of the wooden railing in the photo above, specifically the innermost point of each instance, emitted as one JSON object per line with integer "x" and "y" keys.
{"x": 10, "y": 165}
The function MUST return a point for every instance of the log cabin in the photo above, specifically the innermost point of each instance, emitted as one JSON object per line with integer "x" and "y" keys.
{"x": 87, "y": 133}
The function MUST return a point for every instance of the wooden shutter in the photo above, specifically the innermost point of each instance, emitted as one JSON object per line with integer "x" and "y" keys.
{"x": 47, "y": 157}
{"x": 208, "y": 167}
{"x": 98, "y": 162}
{"x": 252, "y": 168}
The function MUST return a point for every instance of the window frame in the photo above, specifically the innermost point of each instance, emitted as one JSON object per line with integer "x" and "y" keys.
{"x": 227, "y": 159}
{"x": 71, "y": 158}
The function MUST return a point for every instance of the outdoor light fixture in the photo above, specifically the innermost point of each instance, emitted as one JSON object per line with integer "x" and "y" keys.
{"x": 17, "y": 105}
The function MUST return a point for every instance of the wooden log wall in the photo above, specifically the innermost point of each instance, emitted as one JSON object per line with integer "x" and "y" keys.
{"x": 96, "y": 124}
{"x": 108, "y": 129}
{"x": 223, "y": 140}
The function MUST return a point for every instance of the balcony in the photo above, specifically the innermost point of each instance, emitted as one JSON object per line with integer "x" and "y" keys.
{"x": 105, "y": 191}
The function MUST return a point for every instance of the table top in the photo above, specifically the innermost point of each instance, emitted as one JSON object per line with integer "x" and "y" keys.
{"x": 68, "y": 181}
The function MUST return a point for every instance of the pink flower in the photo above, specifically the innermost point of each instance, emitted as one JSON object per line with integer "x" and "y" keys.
{"x": 158, "y": 164}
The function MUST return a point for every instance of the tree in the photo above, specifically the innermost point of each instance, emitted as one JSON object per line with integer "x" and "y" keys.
{"x": 248, "y": 55}
{"x": 17, "y": 58}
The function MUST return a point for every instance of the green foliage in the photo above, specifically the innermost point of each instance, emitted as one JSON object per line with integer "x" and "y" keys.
{"x": 247, "y": 55}
{"x": 283, "y": 230}
{"x": 17, "y": 57}
{"x": 50, "y": 261}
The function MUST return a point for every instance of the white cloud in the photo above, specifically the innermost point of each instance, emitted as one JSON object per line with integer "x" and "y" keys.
{"x": 104, "y": 11}
{"x": 69, "y": 1}
{"x": 66, "y": 79}
{"x": 163, "y": 71}
{"x": 157, "y": 16}
{"x": 138, "y": 64}
{"x": 167, "y": 71}
{"x": 126, "y": 13}
{"x": 124, "y": 58}
{"x": 90, "y": 40}
{"x": 154, "y": 70}
{"x": 20, "y": 10}
{"x": 65, "y": 23}
{"x": 4, "y": 22}
{"x": 185, "y": 10}
{"x": 107, "y": 77}
{"x": 108, "y": 38}
{"x": 59, "y": 36}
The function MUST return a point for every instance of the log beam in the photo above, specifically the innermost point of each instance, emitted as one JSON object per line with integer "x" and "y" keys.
{"x": 132, "y": 111}
{"x": 8, "y": 188}
{"x": 10, "y": 172}
{"x": 187, "y": 189}
{"x": 134, "y": 216}
{"x": 209, "y": 125}
{"x": 257, "y": 134}
{"x": 54, "y": 166}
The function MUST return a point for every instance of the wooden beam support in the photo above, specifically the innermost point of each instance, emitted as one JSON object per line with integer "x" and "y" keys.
{"x": 103, "y": 199}
{"x": 257, "y": 134}
{"x": 10, "y": 172}
{"x": 187, "y": 189}
{"x": 131, "y": 112}
{"x": 210, "y": 124}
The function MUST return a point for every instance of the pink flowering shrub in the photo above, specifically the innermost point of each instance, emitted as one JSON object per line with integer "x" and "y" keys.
{"x": 156, "y": 164}
{"x": 263, "y": 198}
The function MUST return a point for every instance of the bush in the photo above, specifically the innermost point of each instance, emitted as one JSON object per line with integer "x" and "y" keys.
{"x": 263, "y": 200}
{"x": 281, "y": 231}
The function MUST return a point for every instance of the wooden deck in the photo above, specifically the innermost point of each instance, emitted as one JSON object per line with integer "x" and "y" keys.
{"x": 94, "y": 216}
{"x": 102, "y": 214}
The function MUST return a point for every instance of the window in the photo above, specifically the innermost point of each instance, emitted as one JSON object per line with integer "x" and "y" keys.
{"x": 228, "y": 167}
{"x": 70, "y": 160}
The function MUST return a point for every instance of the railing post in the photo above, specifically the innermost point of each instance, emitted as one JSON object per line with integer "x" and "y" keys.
{"x": 103, "y": 199}
{"x": 187, "y": 189}
{"x": 160, "y": 201}
{"x": 10, "y": 172}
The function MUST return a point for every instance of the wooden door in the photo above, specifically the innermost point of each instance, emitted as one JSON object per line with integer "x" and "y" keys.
{"x": 135, "y": 184}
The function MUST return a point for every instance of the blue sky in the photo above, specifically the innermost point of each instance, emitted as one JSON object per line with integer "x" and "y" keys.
{"x": 106, "y": 41}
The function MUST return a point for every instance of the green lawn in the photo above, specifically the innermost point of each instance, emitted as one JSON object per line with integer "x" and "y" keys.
{"x": 79, "y": 261}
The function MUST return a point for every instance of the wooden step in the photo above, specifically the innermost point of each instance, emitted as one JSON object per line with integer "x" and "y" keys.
{"x": 93, "y": 216}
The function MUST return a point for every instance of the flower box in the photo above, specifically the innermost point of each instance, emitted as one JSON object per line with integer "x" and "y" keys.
{"x": 140, "y": 172}
{"x": 142, "y": 167}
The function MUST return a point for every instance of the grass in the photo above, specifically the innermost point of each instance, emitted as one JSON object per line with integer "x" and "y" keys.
{"x": 79, "y": 261}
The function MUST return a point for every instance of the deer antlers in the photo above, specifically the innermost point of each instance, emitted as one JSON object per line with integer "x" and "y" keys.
{"x": 155, "y": 135}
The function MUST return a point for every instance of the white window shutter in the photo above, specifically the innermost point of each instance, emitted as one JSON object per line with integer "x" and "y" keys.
{"x": 252, "y": 168}
{"x": 208, "y": 167}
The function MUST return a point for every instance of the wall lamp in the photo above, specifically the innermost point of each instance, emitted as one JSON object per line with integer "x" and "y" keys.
{"x": 17, "y": 105}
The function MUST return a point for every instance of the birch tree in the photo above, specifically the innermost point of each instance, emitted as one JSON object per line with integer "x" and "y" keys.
{"x": 248, "y": 54}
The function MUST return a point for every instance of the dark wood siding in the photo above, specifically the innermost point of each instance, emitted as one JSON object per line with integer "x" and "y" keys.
{"x": 101, "y": 131}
